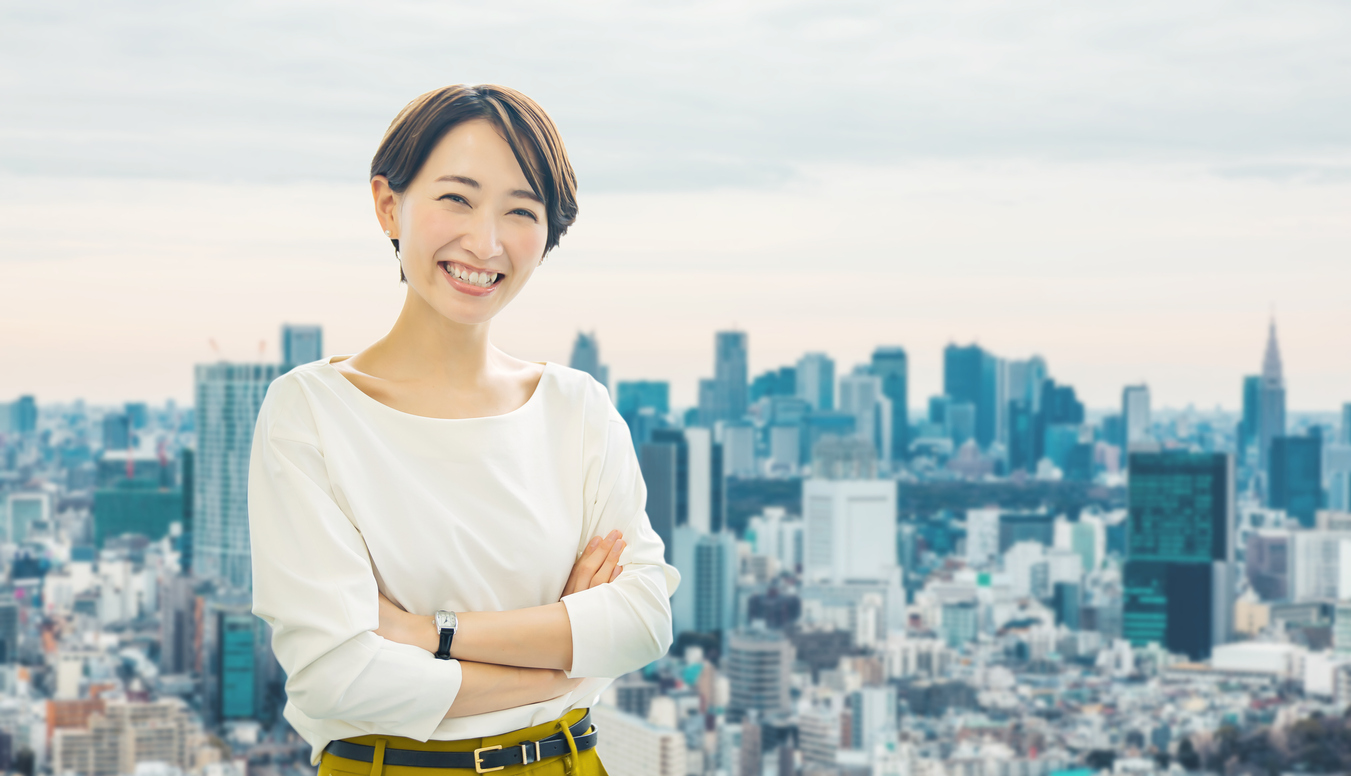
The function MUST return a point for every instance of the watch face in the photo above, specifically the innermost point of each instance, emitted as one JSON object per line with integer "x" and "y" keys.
{"x": 445, "y": 619}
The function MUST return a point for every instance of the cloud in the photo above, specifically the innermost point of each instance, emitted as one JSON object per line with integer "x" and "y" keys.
{"x": 672, "y": 96}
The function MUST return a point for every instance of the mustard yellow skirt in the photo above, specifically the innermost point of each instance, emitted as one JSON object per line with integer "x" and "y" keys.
{"x": 585, "y": 763}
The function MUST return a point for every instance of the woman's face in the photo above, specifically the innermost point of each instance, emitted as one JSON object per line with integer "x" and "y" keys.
{"x": 468, "y": 213}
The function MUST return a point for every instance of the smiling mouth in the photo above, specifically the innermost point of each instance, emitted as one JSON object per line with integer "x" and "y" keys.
{"x": 472, "y": 278}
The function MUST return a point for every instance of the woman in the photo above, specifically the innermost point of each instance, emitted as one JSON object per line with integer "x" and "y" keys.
{"x": 450, "y": 543}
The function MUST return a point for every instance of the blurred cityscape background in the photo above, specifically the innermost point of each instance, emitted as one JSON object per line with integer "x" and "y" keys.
{"x": 1003, "y": 582}
{"x": 819, "y": 247}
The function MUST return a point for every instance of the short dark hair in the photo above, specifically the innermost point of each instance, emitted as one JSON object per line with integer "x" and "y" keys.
{"x": 525, "y": 126}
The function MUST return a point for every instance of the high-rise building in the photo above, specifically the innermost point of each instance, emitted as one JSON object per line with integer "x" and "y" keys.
{"x": 982, "y": 536}
{"x": 738, "y": 450}
{"x": 1345, "y": 437}
{"x": 1252, "y": 412}
{"x": 1178, "y": 579}
{"x": 1135, "y": 415}
{"x": 971, "y": 376}
{"x": 725, "y": 396}
{"x": 816, "y": 381}
{"x": 759, "y": 664}
{"x": 1059, "y": 407}
{"x": 9, "y": 632}
{"x": 861, "y": 395}
{"x": 132, "y": 509}
{"x": 775, "y": 382}
{"x": 850, "y": 529}
{"x": 116, "y": 431}
{"x": 228, "y": 398}
{"x": 638, "y": 746}
{"x": 178, "y": 602}
{"x": 1295, "y": 475}
{"x": 873, "y": 714}
{"x": 1021, "y": 428}
{"x": 586, "y": 357}
{"x": 241, "y": 678}
{"x": 710, "y": 563}
{"x": 1271, "y": 402}
{"x": 702, "y": 482}
{"x": 1066, "y": 601}
{"x": 23, "y": 415}
{"x": 659, "y": 462}
{"x": 301, "y": 344}
{"x": 644, "y": 405}
{"x": 961, "y": 422}
{"x": 890, "y": 364}
{"x": 27, "y": 509}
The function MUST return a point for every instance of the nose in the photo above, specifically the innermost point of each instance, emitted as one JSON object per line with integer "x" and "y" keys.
{"x": 481, "y": 237}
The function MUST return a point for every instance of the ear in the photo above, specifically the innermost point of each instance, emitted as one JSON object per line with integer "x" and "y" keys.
{"x": 386, "y": 206}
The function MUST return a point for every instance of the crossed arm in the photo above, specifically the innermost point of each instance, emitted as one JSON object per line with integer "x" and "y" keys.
{"x": 515, "y": 657}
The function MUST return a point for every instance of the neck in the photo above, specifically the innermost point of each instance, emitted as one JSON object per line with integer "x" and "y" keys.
{"x": 425, "y": 345}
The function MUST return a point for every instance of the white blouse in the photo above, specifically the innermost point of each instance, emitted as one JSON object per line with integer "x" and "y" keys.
{"x": 349, "y": 497}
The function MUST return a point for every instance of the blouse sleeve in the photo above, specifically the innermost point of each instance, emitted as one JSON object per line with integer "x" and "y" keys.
{"x": 314, "y": 584}
{"x": 623, "y": 625}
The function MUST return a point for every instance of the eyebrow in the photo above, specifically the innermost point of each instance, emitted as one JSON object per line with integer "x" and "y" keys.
{"x": 470, "y": 182}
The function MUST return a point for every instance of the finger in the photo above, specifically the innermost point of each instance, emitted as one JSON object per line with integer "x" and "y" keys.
{"x": 584, "y": 567}
{"x": 592, "y": 561}
{"x": 615, "y": 575}
{"x": 607, "y": 568}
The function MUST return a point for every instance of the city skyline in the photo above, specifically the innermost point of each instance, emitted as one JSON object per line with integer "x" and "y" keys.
{"x": 270, "y": 350}
{"x": 158, "y": 197}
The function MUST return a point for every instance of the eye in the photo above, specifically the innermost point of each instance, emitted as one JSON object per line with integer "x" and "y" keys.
{"x": 455, "y": 197}
{"x": 525, "y": 212}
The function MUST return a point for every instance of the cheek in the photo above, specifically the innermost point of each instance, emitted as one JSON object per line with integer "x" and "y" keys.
{"x": 528, "y": 244}
{"x": 433, "y": 228}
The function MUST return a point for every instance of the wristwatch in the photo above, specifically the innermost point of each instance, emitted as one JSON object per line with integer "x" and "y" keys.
{"x": 446, "y": 623}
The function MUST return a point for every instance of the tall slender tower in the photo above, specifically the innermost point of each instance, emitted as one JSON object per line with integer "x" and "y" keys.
{"x": 1271, "y": 404}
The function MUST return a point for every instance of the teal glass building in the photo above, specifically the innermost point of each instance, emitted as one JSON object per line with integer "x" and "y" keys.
{"x": 1178, "y": 578}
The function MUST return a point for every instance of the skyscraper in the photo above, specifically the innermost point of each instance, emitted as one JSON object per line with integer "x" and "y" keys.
{"x": 861, "y": 395}
{"x": 23, "y": 415}
{"x": 970, "y": 377}
{"x": 1346, "y": 424}
{"x": 228, "y": 398}
{"x": 890, "y": 364}
{"x": 759, "y": 664}
{"x": 725, "y": 396}
{"x": 850, "y": 529}
{"x": 1178, "y": 578}
{"x": 1295, "y": 476}
{"x": 301, "y": 344}
{"x": 816, "y": 381}
{"x": 586, "y": 357}
{"x": 713, "y": 585}
{"x": 659, "y": 463}
{"x": 633, "y": 395}
{"x": 1135, "y": 415}
{"x": 1252, "y": 411}
{"x": 1271, "y": 402}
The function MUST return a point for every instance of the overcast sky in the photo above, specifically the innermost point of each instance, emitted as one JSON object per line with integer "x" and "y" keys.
{"x": 1126, "y": 189}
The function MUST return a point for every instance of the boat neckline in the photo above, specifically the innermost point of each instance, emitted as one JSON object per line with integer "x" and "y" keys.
{"x": 328, "y": 362}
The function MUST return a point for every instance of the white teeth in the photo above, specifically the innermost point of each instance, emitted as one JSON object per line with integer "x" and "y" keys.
{"x": 480, "y": 279}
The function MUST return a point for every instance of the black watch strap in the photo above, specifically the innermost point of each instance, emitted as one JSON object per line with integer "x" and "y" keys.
{"x": 443, "y": 646}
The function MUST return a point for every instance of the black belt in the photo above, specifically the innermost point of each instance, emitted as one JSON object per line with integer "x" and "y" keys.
{"x": 481, "y": 760}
